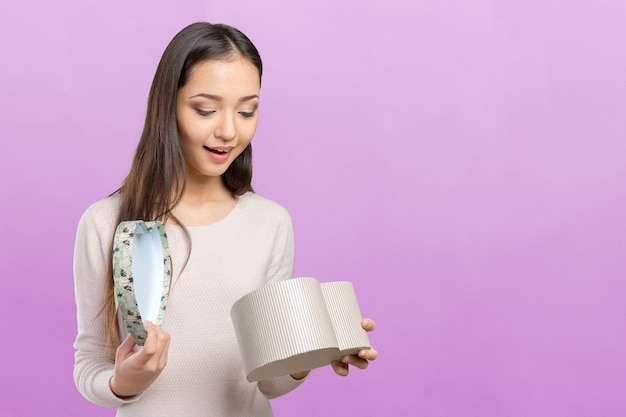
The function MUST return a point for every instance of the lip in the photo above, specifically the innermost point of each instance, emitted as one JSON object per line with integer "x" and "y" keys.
{"x": 219, "y": 157}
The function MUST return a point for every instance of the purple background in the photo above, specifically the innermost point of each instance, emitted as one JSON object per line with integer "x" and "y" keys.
{"x": 463, "y": 163}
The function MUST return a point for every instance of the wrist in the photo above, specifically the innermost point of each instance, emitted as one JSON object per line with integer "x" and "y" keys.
{"x": 119, "y": 393}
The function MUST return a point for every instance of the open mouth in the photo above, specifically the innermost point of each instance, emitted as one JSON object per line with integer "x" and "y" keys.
{"x": 217, "y": 151}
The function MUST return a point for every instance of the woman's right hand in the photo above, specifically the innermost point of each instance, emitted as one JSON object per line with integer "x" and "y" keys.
{"x": 136, "y": 371}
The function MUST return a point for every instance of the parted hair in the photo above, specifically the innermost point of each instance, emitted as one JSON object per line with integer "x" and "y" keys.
{"x": 158, "y": 176}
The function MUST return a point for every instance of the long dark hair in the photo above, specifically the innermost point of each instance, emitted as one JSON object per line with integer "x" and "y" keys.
{"x": 158, "y": 175}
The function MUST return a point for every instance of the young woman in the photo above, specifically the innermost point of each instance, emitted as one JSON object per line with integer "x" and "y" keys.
{"x": 192, "y": 171}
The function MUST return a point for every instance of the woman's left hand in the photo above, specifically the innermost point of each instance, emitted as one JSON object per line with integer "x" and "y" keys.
{"x": 361, "y": 359}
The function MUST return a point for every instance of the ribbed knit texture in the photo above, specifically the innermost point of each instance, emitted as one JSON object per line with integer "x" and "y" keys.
{"x": 251, "y": 246}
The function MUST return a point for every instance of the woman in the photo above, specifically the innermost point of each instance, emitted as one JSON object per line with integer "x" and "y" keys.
{"x": 192, "y": 171}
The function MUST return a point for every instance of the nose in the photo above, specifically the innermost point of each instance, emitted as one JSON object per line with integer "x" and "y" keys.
{"x": 226, "y": 129}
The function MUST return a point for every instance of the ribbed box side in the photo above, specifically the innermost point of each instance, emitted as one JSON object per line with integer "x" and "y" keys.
{"x": 345, "y": 316}
{"x": 281, "y": 320}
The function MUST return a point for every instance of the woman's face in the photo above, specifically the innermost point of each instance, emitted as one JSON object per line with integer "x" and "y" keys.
{"x": 216, "y": 113}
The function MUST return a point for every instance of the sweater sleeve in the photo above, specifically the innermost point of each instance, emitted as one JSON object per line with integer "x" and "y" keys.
{"x": 282, "y": 257}
{"x": 93, "y": 365}
{"x": 281, "y": 267}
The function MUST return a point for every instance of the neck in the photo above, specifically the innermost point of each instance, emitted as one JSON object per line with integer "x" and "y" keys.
{"x": 204, "y": 202}
{"x": 205, "y": 190}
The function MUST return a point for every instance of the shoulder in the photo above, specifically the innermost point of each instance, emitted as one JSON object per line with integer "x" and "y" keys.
{"x": 261, "y": 213}
{"x": 106, "y": 206}
{"x": 259, "y": 205}
{"x": 96, "y": 228}
{"x": 102, "y": 215}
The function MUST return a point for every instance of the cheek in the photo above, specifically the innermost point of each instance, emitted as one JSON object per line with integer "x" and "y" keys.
{"x": 188, "y": 135}
{"x": 184, "y": 141}
{"x": 188, "y": 144}
{"x": 250, "y": 131}
{"x": 190, "y": 131}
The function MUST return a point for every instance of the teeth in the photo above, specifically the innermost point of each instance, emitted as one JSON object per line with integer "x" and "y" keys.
{"x": 217, "y": 150}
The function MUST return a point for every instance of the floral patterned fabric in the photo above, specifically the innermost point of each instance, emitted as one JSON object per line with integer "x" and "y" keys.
{"x": 123, "y": 275}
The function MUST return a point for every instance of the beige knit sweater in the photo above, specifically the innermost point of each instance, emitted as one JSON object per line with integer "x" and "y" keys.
{"x": 251, "y": 246}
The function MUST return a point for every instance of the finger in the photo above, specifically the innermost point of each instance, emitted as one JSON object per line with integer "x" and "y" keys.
{"x": 340, "y": 368}
{"x": 355, "y": 361}
{"x": 370, "y": 354}
{"x": 156, "y": 345}
{"x": 126, "y": 347}
{"x": 151, "y": 343}
{"x": 368, "y": 324}
{"x": 164, "y": 348}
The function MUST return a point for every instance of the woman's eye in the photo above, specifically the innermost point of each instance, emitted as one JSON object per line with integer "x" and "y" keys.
{"x": 247, "y": 113}
{"x": 205, "y": 112}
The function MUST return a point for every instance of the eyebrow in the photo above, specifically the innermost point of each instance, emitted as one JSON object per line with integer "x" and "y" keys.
{"x": 218, "y": 98}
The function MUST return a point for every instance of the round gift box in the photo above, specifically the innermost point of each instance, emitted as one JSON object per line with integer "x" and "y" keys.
{"x": 297, "y": 325}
